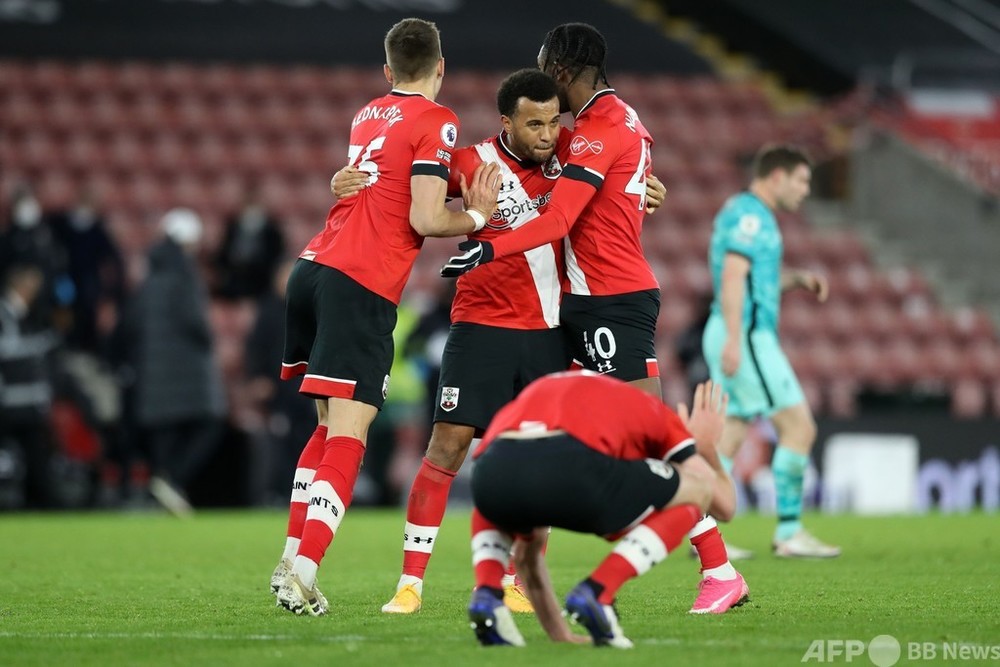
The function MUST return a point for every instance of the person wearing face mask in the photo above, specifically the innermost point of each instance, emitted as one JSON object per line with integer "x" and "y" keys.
{"x": 94, "y": 265}
{"x": 27, "y": 239}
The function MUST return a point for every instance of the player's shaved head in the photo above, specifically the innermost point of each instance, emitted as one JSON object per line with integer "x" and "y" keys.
{"x": 412, "y": 49}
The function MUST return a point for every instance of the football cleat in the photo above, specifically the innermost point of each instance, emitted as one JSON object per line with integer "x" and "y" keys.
{"x": 405, "y": 601}
{"x": 282, "y": 572}
{"x": 716, "y": 596}
{"x": 804, "y": 545}
{"x": 601, "y": 620}
{"x": 492, "y": 621}
{"x": 296, "y": 598}
{"x": 516, "y": 600}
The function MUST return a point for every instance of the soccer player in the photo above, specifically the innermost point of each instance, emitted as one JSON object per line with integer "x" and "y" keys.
{"x": 611, "y": 298}
{"x": 741, "y": 336}
{"x": 343, "y": 292}
{"x": 591, "y": 454}
{"x": 504, "y": 318}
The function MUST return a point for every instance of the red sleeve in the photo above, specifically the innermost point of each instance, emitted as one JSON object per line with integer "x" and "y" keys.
{"x": 668, "y": 435}
{"x": 464, "y": 161}
{"x": 593, "y": 149}
{"x": 569, "y": 198}
{"x": 435, "y": 134}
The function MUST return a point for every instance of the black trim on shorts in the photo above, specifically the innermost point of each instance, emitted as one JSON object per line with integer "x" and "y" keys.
{"x": 578, "y": 173}
{"x": 438, "y": 170}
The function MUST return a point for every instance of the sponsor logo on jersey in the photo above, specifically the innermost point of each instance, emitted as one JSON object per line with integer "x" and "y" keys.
{"x": 552, "y": 168}
{"x": 509, "y": 209}
{"x": 449, "y": 134}
{"x": 582, "y": 144}
{"x": 449, "y": 398}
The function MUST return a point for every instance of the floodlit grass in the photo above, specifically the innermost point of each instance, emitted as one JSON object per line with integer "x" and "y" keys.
{"x": 142, "y": 589}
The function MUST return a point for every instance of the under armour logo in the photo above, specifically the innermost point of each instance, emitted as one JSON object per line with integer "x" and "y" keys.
{"x": 508, "y": 186}
{"x": 582, "y": 144}
{"x": 604, "y": 367}
{"x": 425, "y": 540}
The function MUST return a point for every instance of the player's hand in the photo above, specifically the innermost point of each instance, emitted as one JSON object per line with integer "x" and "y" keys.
{"x": 481, "y": 194}
{"x": 476, "y": 253}
{"x": 348, "y": 182}
{"x": 708, "y": 413}
{"x": 815, "y": 283}
{"x": 731, "y": 356}
{"x": 656, "y": 193}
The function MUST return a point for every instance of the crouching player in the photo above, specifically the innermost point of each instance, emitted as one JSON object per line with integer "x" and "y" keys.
{"x": 591, "y": 454}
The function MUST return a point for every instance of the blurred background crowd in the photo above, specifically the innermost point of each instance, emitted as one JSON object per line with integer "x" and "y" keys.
{"x": 157, "y": 182}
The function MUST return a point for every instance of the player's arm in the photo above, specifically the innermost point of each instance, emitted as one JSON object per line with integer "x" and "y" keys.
{"x": 732, "y": 292}
{"x": 809, "y": 280}
{"x": 430, "y": 217}
{"x": 348, "y": 182}
{"x": 705, "y": 422}
{"x": 569, "y": 198}
{"x": 530, "y": 563}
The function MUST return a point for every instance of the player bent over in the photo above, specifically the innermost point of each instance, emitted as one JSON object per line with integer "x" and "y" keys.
{"x": 591, "y": 454}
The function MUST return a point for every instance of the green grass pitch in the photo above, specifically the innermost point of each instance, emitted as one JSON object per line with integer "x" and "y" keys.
{"x": 146, "y": 589}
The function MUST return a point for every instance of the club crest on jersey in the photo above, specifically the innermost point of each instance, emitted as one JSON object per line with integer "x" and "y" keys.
{"x": 449, "y": 398}
{"x": 582, "y": 144}
{"x": 552, "y": 169}
{"x": 658, "y": 467}
{"x": 449, "y": 134}
{"x": 749, "y": 224}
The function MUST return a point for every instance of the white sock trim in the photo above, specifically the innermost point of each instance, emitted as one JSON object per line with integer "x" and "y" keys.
{"x": 642, "y": 548}
{"x": 706, "y": 524}
{"x": 325, "y": 505}
{"x": 725, "y": 572}
{"x": 306, "y": 569}
{"x": 491, "y": 545}
{"x": 291, "y": 548}
{"x": 300, "y": 485}
{"x": 419, "y": 538}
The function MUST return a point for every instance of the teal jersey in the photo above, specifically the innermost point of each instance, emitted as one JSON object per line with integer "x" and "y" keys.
{"x": 746, "y": 226}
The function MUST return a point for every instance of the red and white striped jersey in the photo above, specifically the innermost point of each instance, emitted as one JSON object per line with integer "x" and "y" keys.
{"x": 520, "y": 291}
{"x": 606, "y": 414}
{"x": 369, "y": 237}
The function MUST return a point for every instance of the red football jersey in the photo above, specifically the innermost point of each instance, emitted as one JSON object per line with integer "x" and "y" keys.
{"x": 601, "y": 201}
{"x": 369, "y": 237}
{"x": 604, "y": 413}
{"x": 520, "y": 291}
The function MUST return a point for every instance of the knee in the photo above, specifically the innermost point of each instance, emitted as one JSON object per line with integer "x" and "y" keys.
{"x": 449, "y": 445}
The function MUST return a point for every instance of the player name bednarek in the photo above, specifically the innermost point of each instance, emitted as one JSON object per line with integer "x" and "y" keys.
{"x": 391, "y": 114}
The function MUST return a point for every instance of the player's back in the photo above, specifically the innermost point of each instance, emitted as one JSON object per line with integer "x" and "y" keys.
{"x": 604, "y": 252}
{"x": 604, "y": 413}
{"x": 746, "y": 226}
{"x": 368, "y": 236}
